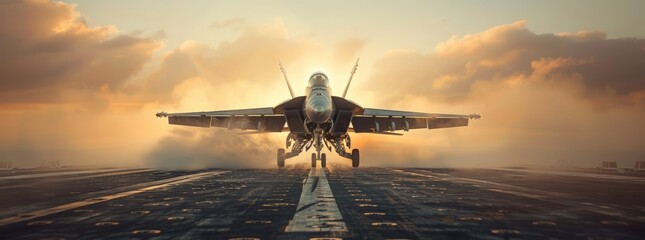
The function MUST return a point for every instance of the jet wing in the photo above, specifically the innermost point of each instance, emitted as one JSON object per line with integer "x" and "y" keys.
{"x": 260, "y": 119}
{"x": 380, "y": 120}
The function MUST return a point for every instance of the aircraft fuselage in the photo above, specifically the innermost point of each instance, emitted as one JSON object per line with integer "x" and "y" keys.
{"x": 318, "y": 104}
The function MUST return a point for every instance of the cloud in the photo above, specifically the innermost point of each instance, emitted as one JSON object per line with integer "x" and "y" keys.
{"x": 57, "y": 66}
{"x": 543, "y": 98}
{"x": 77, "y": 94}
{"x": 252, "y": 58}
{"x": 55, "y": 55}
{"x": 604, "y": 66}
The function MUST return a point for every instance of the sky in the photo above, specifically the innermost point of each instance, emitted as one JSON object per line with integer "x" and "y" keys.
{"x": 81, "y": 80}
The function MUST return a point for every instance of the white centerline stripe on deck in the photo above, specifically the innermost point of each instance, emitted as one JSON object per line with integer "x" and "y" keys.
{"x": 156, "y": 185}
{"x": 317, "y": 210}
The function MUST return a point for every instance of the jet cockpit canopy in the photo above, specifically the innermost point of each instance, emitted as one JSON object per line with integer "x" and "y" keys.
{"x": 318, "y": 79}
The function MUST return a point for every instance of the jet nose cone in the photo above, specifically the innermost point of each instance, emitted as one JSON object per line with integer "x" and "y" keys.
{"x": 319, "y": 110}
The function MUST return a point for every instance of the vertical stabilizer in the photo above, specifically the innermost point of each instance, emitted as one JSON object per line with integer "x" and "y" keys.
{"x": 350, "y": 77}
{"x": 284, "y": 73}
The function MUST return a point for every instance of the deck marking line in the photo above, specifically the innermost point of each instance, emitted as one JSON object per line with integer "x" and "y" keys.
{"x": 632, "y": 179}
{"x": 85, "y": 176}
{"x": 68, "y": 206}
{"x": 56, "y": 174}
{"x": 553, "y": 197}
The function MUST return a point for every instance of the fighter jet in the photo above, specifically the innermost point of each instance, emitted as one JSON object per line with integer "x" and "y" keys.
{"x": 318, "y": 120}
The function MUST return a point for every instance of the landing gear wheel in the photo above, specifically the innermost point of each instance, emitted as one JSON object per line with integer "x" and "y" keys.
{"x": 313, "y": 160}
{"x": 355, "y": 158}
{"x": 323, "y": 160}
{"x": 281, "y": 157}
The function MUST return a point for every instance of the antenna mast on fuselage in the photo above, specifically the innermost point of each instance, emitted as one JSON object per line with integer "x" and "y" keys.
{"x": 350, "y": 77}
{"x": 284, "y": 73}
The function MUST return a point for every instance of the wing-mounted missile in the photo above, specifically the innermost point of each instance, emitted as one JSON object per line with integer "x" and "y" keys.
{"x": 161, "y": 114}
{"x": 377, "y": 127}
{"x": 392, "y": 126}
{"x": 229, "y": 124}
{"x": 262, "y": 124}
{"x": 406, "y": 125}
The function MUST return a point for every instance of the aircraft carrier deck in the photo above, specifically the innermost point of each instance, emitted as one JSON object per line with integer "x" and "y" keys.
{"x": 338, "y": 202}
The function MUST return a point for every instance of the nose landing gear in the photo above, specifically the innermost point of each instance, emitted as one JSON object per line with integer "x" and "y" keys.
{"x": 323, "y": 160}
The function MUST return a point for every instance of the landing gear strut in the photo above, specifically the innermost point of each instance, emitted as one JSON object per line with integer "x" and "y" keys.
{"x": 296, "y": 144}
{"x": 339, "y": 145}
{"x": 316, "y": 139}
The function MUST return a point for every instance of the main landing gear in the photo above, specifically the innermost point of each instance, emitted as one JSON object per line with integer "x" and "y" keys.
{"x": 355, "y": 158}
{"x": 318, "y": 140}
{"x": 281, "y": 157}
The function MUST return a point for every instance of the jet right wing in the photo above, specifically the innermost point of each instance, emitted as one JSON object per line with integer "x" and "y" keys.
{"x": 380, "y": 120}
{"x": 261, "y": 119}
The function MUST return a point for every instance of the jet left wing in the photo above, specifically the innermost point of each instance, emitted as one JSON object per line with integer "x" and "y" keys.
{"x": 261, "y": 119}
{"x": 380, "y": 120}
